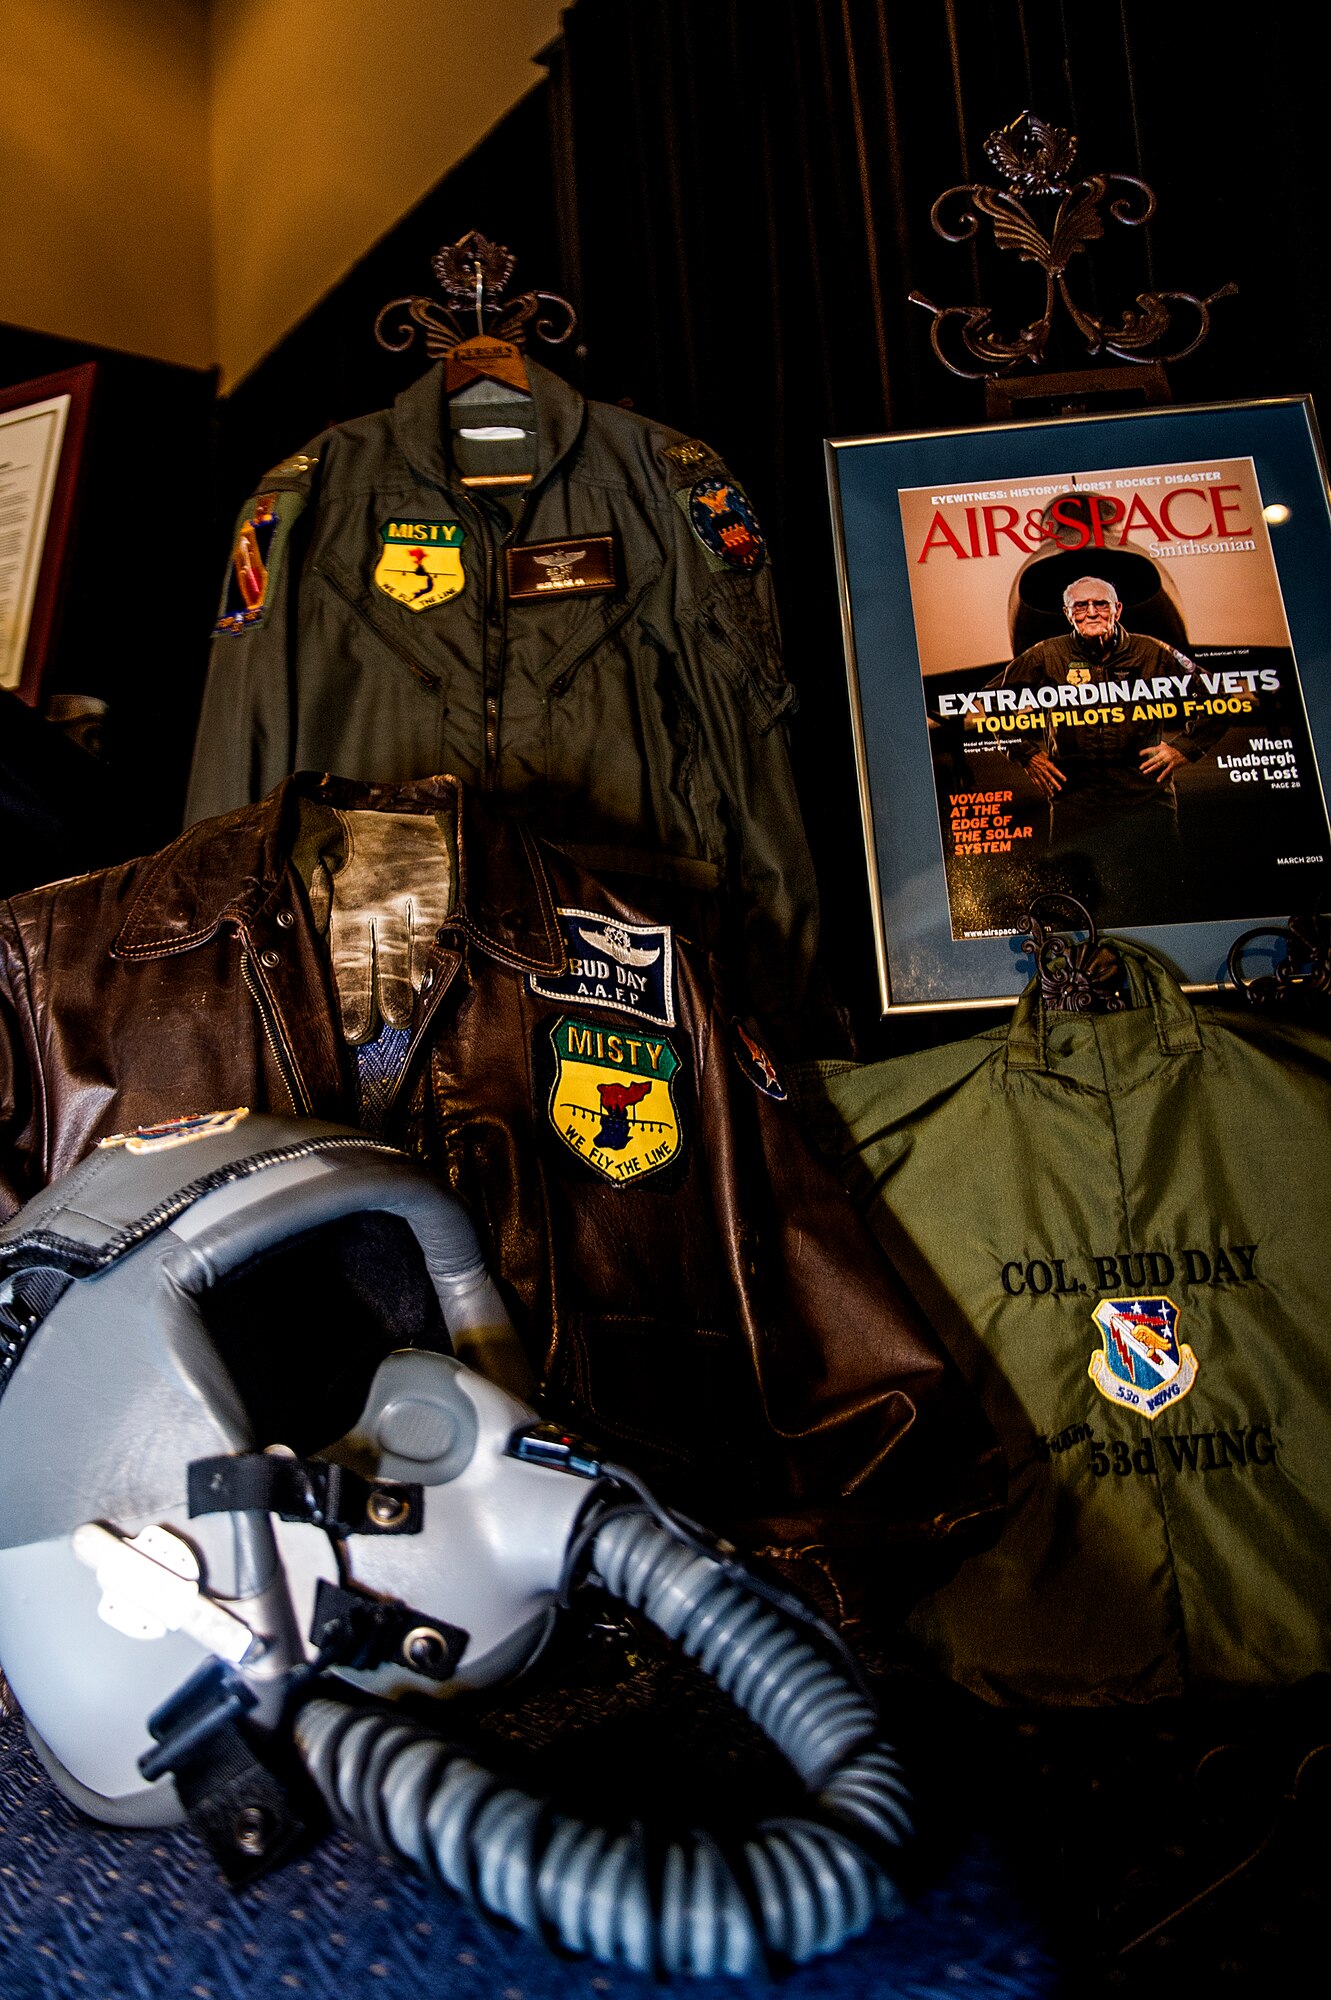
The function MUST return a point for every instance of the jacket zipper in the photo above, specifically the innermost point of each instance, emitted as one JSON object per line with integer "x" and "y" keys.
{"x": 425, "y": 675}
{"x": 491, "y": 690}
{"x": 296, "y": 1090}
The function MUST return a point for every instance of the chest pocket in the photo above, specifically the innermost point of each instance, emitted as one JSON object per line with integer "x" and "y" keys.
{"x": 599, "y": 620}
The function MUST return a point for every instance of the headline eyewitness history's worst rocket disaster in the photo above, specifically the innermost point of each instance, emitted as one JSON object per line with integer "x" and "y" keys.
{"x": 1045, "y": 743}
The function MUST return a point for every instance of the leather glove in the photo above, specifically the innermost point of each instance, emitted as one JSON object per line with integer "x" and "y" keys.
{"x": 389, "y": 897}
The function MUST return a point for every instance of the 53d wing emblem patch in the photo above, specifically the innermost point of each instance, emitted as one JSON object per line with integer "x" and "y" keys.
{"x": 1141, "y": 1363}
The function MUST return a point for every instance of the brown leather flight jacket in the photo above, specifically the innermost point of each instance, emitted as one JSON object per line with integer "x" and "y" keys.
{"x": 722, "y": 1322}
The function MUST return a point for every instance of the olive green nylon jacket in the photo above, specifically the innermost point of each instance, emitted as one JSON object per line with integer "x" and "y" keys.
{"x": 640, "y": 726}
{"x": 1049, "y": 1195}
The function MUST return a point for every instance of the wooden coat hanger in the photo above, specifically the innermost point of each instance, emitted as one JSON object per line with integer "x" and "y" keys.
{"x": 473, "y": 273}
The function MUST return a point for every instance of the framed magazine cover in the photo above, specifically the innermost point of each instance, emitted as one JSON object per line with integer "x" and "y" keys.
{"x": 43, "y": 425}
{"x": 1090, "y": 655}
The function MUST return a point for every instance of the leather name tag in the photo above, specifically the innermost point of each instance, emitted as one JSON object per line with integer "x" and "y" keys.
{"x": 562, "y": 569}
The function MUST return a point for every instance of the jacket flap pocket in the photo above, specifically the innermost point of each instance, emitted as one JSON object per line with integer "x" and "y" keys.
{"x": 601, "y": 616}
{"x": 357, "y": 595}
{"x": 731, "y": 628}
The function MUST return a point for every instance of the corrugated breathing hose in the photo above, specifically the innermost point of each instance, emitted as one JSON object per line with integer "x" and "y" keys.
{"x": 794, "y": 1888}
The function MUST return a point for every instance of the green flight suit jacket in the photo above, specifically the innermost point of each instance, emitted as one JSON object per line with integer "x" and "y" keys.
{"x": 639, "y": 722}
{"x": 1120, "y": 1226}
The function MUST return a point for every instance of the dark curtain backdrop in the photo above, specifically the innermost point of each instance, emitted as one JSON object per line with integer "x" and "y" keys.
{"x": 736, "y": 195}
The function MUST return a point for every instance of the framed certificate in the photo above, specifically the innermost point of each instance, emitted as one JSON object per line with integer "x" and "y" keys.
{"x": 1089, "y": 656}
{"x": 42, "y": 428}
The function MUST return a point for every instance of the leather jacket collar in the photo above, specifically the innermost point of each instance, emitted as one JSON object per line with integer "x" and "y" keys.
{"x": 231, "y": 869}
{"x": 420, "y": 424}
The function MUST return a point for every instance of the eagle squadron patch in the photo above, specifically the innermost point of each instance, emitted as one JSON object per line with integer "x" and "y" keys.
{"x": 1141, "y": 1363}
{"x": 721, "y": 515}
{"x": 611, "y": 1101}
{"x": 628, "y": 968}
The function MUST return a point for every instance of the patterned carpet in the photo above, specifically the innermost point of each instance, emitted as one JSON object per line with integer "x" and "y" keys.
{"x": 140, "y": 1917}
{"x": 1086, "y": 1854}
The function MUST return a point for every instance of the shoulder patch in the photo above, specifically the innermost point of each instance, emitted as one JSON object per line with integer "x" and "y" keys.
{"x": 255, "y": 560}
{"x": 721, "y": 516}
{"x": 689, "y": 454}
{"x": 625, "y": 968}
{"x": 756, "y": 1064}
{"x": 612, "y": 1101}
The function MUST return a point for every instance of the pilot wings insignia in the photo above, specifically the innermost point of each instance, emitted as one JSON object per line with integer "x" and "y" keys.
{"x": 617, "y": 943}
{"x": 559, "y": 568}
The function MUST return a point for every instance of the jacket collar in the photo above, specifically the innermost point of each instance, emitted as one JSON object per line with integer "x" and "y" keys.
{"x": 420, "y": 423}
{"x": 227, "y": 870}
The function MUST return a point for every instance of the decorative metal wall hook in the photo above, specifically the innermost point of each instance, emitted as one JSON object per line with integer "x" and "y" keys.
{"x": 473, "y": 275}
{"x": 1083, "y": 978}
{"x": 1036, "y": 162}
{"x": 1304, "y": 973}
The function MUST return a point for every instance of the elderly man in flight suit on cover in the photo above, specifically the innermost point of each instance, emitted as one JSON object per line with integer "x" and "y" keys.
{"x": 1109, "y": 779}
